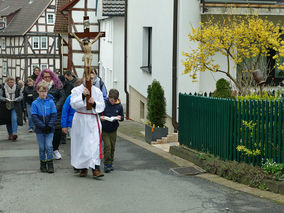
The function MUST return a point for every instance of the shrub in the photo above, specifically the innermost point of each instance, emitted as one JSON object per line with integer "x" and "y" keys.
{"x": 223, "y": 89}
{"x": 156, "y": 104}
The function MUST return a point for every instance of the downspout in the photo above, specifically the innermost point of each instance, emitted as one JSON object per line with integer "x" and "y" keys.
{"x": 125, "y": 59}
{"x": 174, "y": 67}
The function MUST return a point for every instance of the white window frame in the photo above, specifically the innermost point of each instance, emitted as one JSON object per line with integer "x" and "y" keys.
{"x": 4, "y": 22}
{"x": 47, "y": 19}
{"x": 38, "y": 41}
{"x": 56, "y": 43}
{"x": 43, "y": 66}
{"x": 5, "y": 68}
{"x": 147, "y": 49}
{"x": 41, "y": 43}
{"x": 3, "y": 43}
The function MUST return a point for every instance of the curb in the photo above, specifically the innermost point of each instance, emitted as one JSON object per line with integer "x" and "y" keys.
{"x": 210, "y": 177}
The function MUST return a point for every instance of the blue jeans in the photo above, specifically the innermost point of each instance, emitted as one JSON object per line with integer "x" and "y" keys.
{"x": 45, "y": 146}
{"x": 12, "y": 127}
{"x": 31, "y": 124}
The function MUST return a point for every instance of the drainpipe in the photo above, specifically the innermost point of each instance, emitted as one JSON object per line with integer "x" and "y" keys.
{"x": 174, "y": 67}
{"x": 125, "y": 59}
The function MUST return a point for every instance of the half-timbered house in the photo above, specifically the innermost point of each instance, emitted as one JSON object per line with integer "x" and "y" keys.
{"x": 27, "y": 38}
{"x": 70, "y": 18}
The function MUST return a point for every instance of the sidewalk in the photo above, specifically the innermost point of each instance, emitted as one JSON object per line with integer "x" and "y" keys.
{"x": 134, "y": 132}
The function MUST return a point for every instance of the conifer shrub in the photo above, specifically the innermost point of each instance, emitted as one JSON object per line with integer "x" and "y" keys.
{"x": 156, "y": 104}
{"x": 223, "y": 89}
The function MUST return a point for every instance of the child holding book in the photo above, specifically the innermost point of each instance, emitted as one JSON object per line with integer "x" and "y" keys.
{"x": 114, "y": 110}
{"x": 44, "y": 116}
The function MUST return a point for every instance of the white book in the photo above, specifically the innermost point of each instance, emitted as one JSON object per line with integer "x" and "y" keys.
{"x": 111, "y": 119}
{"x": 8, "y": 99}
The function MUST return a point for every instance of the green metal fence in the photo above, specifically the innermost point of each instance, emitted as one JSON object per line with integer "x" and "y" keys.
{"x": 219, "y": 126}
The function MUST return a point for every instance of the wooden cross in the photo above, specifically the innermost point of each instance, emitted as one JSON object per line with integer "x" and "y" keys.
{"x": 87, "y": 53}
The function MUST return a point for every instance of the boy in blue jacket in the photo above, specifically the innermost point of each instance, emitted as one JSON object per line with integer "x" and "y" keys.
{"x": 44, "y": 114}
{"x": 114, "y": 110}
{"x": 67, "y": 115}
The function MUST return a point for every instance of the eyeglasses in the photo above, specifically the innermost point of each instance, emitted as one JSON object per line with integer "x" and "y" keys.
{"x": 46, "y": 77}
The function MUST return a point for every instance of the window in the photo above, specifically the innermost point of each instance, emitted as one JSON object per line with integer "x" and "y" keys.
{"x": 33, "y": 66}
{"x": 147, "y": 50}
{"x": 56, "y": 43}
{"x": 35, "y": 42}
{"x": 272, "y": 75}
{"x": 3, "y": 46}
{"x": 43, "y": 43}
{"x": 43, "y": 66}
{"x": 50, "y": 18}
{"x": 142, "y": 110}
{"x": 3, "y": 23}
{"x": 5, "y": 68}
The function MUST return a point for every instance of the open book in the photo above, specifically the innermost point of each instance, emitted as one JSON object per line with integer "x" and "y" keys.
{"x": 8, "y": 99}
{"x": 111, "y": 119}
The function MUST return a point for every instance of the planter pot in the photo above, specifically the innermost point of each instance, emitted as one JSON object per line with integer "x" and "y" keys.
{"x": 158, "y": 133}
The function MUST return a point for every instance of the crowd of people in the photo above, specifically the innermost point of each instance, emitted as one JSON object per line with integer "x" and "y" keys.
{"x": 55, "y": 106}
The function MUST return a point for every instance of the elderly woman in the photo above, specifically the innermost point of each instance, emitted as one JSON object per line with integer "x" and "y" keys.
{"x": 55, "y": 89}
{"x": 11, "y": 107}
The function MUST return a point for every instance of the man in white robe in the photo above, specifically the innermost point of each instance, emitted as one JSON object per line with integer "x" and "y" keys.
{"x": 86, "y": 150}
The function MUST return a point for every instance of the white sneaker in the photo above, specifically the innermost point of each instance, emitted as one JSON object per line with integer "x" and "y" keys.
{"x": 56, "y": 155}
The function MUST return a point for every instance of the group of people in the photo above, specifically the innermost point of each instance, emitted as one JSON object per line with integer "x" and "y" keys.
{"x": 55, "y": 106}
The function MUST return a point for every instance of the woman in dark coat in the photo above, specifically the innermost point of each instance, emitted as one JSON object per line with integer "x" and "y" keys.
{"x": 11, "y": 107}
{"x": 56, "y": 90}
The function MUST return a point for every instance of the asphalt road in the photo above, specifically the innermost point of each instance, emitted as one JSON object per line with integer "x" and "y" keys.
{"x": 140, "y": 183}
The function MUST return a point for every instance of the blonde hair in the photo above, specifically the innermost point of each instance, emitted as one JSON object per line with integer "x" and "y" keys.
{"x": 9, "y": 78}
{"x": 43, "y": 85}
{"x": 29, "y": 80}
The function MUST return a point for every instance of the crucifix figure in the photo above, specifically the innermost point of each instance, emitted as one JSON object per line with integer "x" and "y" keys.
{"x": 86, "y": 45}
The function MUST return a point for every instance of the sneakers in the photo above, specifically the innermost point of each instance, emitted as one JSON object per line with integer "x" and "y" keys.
{"x": 57, "y": 155}
{"x": 107, "y": 168}
{"x": 10, "y": 137}
{"x": 30, "y": 130}
{"x": 97, "y": 173}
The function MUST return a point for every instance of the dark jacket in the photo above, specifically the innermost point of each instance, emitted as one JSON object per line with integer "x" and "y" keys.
{"x": 5, "y": 114}
{"x": 28, "y": 95}
{"x": 69, "y": 85}
{"x": 33, "y": 76}
{"x": 43, "y": 114}
{"x": 59, "y": 99}
{"x": 112, "y": 110}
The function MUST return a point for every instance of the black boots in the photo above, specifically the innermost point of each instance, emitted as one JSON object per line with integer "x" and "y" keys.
{"x": 50, "y": 168}
{"x": 43, "y": 166}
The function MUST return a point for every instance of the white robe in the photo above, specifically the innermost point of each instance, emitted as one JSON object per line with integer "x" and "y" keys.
{"x": 85, "y": 134}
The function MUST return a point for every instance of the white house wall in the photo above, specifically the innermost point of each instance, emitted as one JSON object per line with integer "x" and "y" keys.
{"x": 157, "y": 14}
{"x": 188, "y": 18}
{"x": 106, "y": 54}
{"x": 118, "y": 57}
{"x": 112, "y": 55}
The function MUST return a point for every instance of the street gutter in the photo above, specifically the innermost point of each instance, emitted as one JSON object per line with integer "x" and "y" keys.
{"x": 210, "y": 177}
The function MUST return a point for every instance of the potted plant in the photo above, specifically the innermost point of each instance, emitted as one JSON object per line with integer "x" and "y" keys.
{"x": 156, "y": 113}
